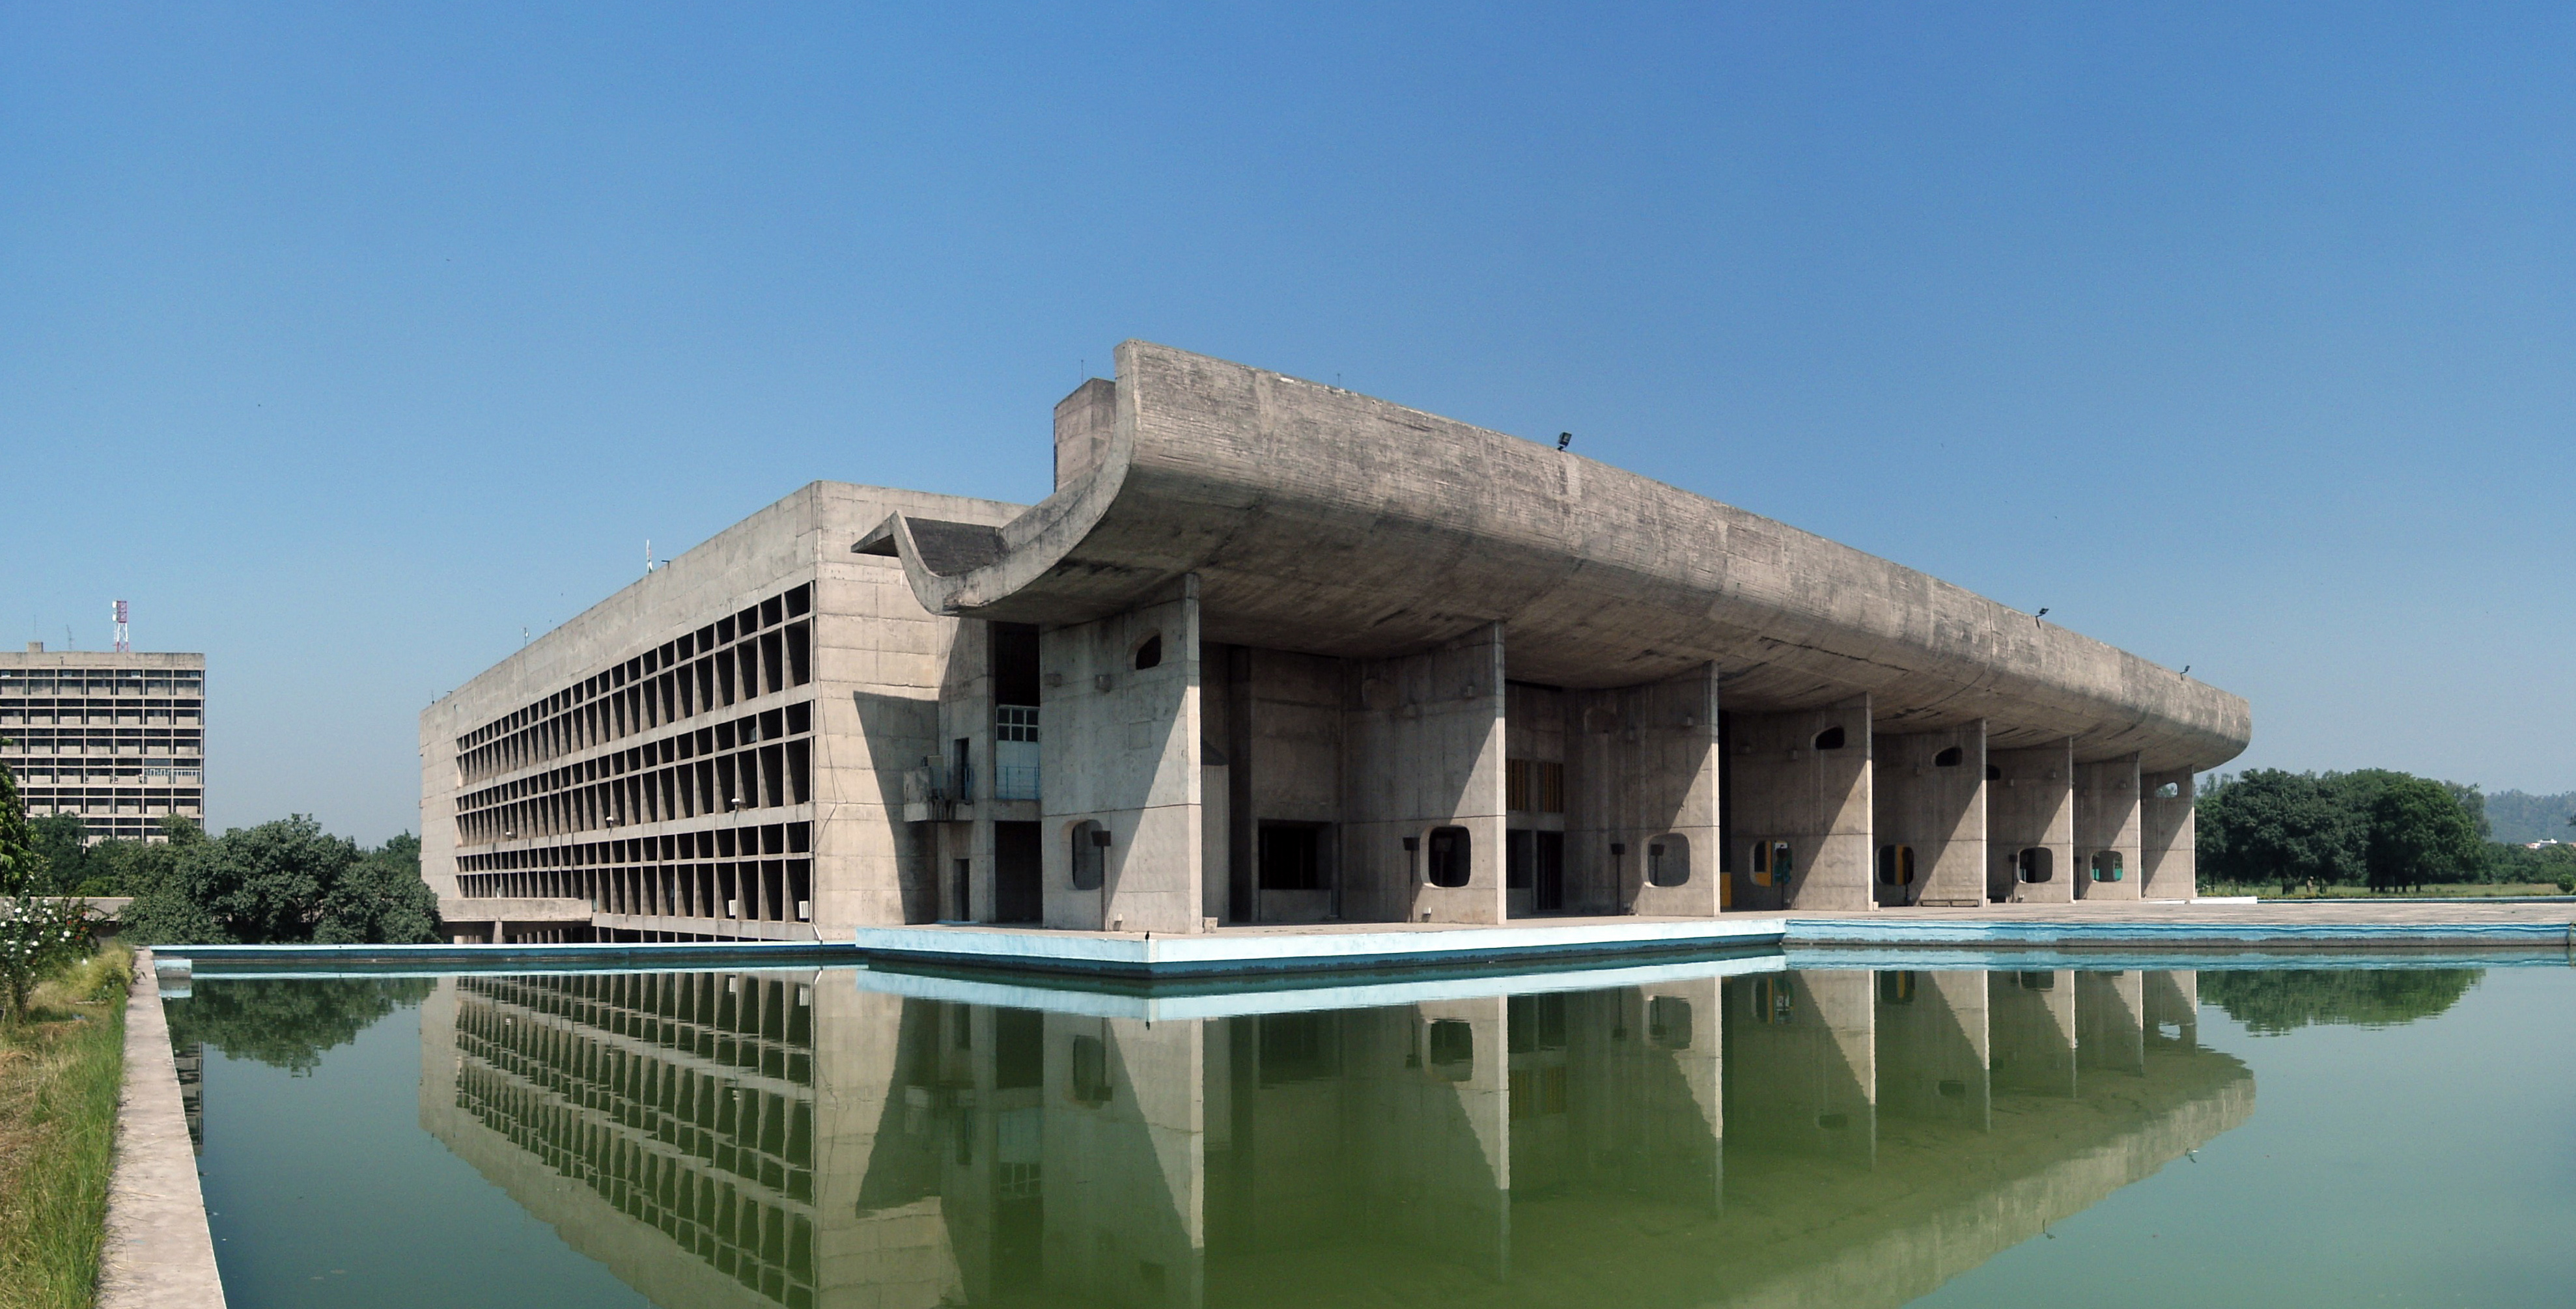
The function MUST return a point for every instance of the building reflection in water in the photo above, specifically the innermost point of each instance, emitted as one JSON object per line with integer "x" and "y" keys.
{"x": 1667, "y": 1135}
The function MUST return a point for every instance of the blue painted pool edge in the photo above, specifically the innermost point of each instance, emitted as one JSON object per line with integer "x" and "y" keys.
{"x": 1253, "y": 955}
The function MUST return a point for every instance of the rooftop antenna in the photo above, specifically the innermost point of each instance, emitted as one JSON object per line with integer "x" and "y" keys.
{"x": 648, "y": 554}
{"x": 123, "y": 645}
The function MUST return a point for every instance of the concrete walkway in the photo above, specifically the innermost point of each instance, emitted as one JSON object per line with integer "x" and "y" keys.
{"x": 158, "y": 1251}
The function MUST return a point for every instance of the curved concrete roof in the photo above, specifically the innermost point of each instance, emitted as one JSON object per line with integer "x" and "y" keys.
{"x": 1324, "y": 521}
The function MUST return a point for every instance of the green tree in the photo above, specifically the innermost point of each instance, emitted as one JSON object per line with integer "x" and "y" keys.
{"x": 2419, "y": 833}
{"x": 2274, "y": 826}
{"x": 284, "y": 881}
{"x": 381, "y": 897}
{"x": 288, "y": 1023}
{"x": 63, "y": 842}
{"x": 38, "y": 933}
{"x": 2274, "y": 1001}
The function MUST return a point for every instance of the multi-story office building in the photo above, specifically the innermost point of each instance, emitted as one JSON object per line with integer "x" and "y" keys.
{"x": 1273, "y": 652}
{"x": 119, "y": 739}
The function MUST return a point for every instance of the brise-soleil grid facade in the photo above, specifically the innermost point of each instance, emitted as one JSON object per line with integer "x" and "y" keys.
{"x": 118, "y": 740}
{"x": 696, "y": 740}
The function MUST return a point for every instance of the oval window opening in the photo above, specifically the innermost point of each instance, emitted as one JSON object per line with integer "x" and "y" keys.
{"x": 1994, "y": 773}
{"x": 1447, "y": 854}
{"x": 1668, "y": 861}
{"x": 1949, "y": 758}
{"x": 1090, "y": 851}
{"x": 1830, "y": 739}
{"x": 1150, "y": 654}
{"x": 2035, "y": 864}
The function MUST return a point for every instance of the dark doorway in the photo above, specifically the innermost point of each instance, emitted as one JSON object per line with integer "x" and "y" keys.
{"x": 1018, "y": 894}
{"x": 1292, "y": 857}
{"x": 1548, "y": 872}
{"x": 1015, "y": 664}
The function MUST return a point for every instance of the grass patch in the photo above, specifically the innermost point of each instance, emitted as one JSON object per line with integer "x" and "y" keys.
{"x": 2455, "y": 891}
{"x": 60, "y": 1071}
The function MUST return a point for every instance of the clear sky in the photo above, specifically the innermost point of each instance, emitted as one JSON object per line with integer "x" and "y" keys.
{"x": 346, "y": 341}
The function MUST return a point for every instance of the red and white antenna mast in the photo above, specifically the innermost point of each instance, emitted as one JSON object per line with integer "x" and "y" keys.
{"x": 123, "y": 646}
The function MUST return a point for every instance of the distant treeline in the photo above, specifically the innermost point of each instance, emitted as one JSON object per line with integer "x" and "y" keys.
{"x": 2374, "y": 827}
{"x": 282, "y": 881}
{"x": 2519, "y": 817}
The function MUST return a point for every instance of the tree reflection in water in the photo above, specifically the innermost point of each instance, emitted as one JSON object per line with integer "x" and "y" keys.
{"x": 287, "y": 1023}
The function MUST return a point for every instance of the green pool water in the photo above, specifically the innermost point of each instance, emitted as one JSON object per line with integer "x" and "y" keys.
{"x": 1725, "y": 1133}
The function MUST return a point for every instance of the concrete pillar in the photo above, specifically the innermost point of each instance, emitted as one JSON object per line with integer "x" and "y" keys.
{"x": 1683, "y": 1147}
{"x": 1933, "y": 1046}
{"x": 2172, "y": 998}
{"x": 2106, "y": 828}
{"x": 2030, "y": 805}
{"x": 1928, "y": 796}
{"x": 1433, "y": 1163}
{"x": 1804, "y": 1080}
{"x": 2167, "y": 865}
{"x": 1641, "y": 805}
{"x": 2110, "y": 1022}
{"x": 1121, "y": 754}
{"x": 1791, "y": 784}
{"x": 1125, "y": 1171}
{"x": 1423, "y": 758}
{"x": 2031, "y": 1019}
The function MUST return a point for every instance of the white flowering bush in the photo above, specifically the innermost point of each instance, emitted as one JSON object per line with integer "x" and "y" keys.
{"x": 40, "y": 935}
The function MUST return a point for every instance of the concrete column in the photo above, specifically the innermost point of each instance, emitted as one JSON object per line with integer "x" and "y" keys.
{"x": 2110, "y": 1021}
{"x": 2168, "y": 868}
{"x": 1432, "y": 1167}
{"x": 2106, "y": 820}
{"x": 1423, "y": 751}
{"x": 1786, "y": 788}
{"x": 1933, "y": 1046}
{"x": 1121, "y": 749}
{"x": 1125, "y": 1171}
{"x": 1805, "y": 1074}
{"x": 2030, "y": 804}
{"x": 1685, "y": 1143}
{"x": 2031, "y": 1018}
{"x": 1641, "y": 775}
{"x": 2172, "y": 998}
{"x": 1928, "y": 795}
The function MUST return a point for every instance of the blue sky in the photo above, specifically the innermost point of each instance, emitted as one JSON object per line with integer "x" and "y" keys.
{"x": 345, "y": 341}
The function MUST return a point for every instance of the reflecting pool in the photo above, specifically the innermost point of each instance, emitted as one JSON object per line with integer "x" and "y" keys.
{"x": 1731, "y": 1132}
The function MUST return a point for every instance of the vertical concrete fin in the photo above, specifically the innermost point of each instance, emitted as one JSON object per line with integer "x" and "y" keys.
{"x": 2167, "y": 829}
{"x": 1122, "y": 757}
{"x": 1641, "y": 827}
{"x": 1423, "y": 742}
{"x": 1802, "y": 778}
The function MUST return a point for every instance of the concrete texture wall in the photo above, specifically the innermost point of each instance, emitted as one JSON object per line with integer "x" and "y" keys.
{"x": 1933, "y": 1043}
{"x": 1819, "y": 801}
{"x": 1288, "y": 736}
{"x": 2106, "y": 819}
{"x": 1936, "y": 809}
{"x": 1121, "y": 747}
{"x": 2110, "y": 1021}
{"x": 1813, "y": 1035}
{"x": 2031, "y": 1018}
{"x": 1642, "y": 771}
{"x": 1423, "y": 750}
{"x": 2032, "y": 803}
{"x": 1332, "y": 523}
{"x": 877, "y": 666}
{"x": 2168, "y": 833}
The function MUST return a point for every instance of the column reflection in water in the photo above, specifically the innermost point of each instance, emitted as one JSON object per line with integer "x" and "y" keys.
{"x": 1829, "y": 1135}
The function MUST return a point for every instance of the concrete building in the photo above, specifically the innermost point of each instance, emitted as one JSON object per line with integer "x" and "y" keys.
{"x": 1785, "y": 1138}
{"x": 1275, "y": 652}
{"x": 118, "y": 739}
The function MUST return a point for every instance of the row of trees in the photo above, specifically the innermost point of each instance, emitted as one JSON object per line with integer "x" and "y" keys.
{"x": 282, "y": 881}
{"x": 2374, "y": 827}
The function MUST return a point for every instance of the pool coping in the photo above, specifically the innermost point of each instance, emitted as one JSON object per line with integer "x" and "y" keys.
{"x": 158, "y": 1251}
{"x": 1251, "y": 955}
